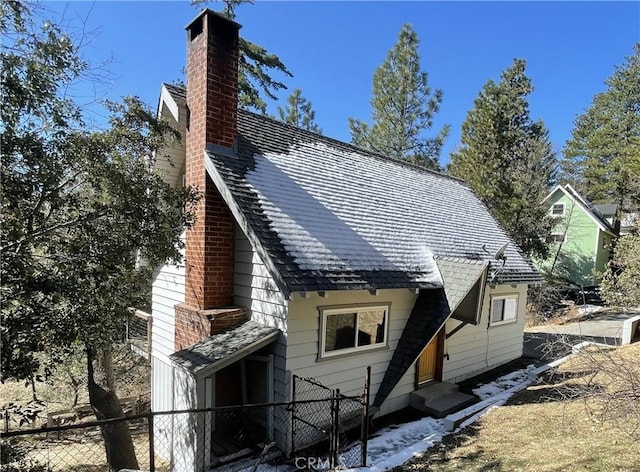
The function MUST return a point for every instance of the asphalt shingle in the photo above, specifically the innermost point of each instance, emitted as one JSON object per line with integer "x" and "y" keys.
{"x": 223, "y": 346}
{"x": 330, "y": 216}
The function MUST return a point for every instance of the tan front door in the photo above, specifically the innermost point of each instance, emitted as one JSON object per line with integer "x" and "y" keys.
{"x": 430, "y": 361}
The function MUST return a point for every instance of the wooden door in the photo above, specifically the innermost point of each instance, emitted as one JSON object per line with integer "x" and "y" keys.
{"x": 430, "y": 361}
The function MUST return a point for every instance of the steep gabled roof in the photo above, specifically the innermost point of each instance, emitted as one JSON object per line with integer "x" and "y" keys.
{"x": 588, "y": 207}
{"x": 326, "y": 215}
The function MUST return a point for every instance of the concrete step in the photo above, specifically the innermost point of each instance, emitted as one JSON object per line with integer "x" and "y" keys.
{"x": 449, "y": 404}
{"x": 433, "y": 391}
{"x": 440, "y": 399}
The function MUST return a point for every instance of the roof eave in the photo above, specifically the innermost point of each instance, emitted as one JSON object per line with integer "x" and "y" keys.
{"x": 245, "y": 226}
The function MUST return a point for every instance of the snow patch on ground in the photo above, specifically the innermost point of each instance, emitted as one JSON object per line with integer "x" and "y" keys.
{"x": 505, "y": 383}
{"x": 397, "y": 444}
{"x": 588, "y": 309}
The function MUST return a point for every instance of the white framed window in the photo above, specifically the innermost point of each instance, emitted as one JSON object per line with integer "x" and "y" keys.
{"x": 504, "y": 309}
{"x": 352, "y": 329}
{"x": 557, "y": 209}
{"x": 557, "y": 238}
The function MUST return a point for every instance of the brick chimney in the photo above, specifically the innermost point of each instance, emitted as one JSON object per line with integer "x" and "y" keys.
{"x": 212, "y": 104}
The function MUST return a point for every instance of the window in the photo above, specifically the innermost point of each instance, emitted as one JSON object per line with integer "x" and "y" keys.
{"x": 604, "y": 243}
{"x": 557, "y": 209}
{"x": 352, "y": 329}
{"x": 556, "y": 238}
{"x": 504, "y": 309}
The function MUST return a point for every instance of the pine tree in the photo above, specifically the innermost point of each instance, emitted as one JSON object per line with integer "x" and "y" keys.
{"x": 299, "y": 112}
{"x": 602, "y": 158}
{"x": 255, "y": 66}
{"x": 76, "y": 207}
{"x": 506, "y": 158}
{"x": 403, "y": 107}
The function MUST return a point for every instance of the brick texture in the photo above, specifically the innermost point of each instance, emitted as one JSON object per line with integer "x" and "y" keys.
{"x": 212, "y": 98}
{"x": 193, "y": 325}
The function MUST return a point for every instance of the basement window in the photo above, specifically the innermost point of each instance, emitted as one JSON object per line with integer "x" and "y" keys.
{"x": 504, "y": 309}
{"x": 352, "y": 329}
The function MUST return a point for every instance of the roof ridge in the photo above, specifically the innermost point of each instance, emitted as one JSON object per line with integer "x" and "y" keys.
{"x": 355, "y": 148}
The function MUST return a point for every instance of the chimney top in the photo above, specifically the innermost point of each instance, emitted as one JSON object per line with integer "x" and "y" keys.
{"x": 214, "y": 15}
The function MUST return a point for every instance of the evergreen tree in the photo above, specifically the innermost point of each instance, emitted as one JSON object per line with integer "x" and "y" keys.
{"x": 77, "y": 205}
{"x": 403, "y": 107}
{"x": 299, "y": 112}
{"x": 620, "y": 285}
{"x": 506, "y": 158}
{"x": 602, "y": 158}
{"x": 255, "y": 66}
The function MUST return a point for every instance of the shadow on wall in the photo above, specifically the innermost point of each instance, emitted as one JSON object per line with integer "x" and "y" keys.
{"x": 574, "y": 268}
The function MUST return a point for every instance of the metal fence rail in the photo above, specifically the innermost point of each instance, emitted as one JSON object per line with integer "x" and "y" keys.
{"x": 322, "y": 417}
{"x": 248, "y": 437}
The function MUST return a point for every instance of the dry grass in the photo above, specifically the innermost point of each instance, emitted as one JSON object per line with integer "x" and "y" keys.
{"x": 87, "y": 454}
{"x": 541, "y": 429}
{"x": 56, "y": 394}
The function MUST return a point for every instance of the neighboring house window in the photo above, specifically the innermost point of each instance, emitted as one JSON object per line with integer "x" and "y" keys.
{"x": 504, "y": 309}
{"x": 557, "y": 238}
{"x": 353, "y": 329}
{"x": 557, "y": 209}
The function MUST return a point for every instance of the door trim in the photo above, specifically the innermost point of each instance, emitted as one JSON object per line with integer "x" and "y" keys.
{"x": 439, "y": 361}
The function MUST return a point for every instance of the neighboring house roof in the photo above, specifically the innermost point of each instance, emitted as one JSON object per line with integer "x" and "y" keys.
{"x": 220, "y": 350}
{"x": 331, "y": 216}
{"x": 607, "y": 209}
{"x": 588, "y": 207}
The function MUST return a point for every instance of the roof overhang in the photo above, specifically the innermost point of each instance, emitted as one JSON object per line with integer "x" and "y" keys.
{"x": 221, "y": 350}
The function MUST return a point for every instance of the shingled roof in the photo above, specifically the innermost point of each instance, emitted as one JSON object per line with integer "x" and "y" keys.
{"x": 326, "y": 215}
{"x": 220, "y": 350}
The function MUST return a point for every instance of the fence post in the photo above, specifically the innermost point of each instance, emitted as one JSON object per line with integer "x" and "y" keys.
{"x": 6, "y": 421}
{"x": 293, "y": 413}
{"x": 152, "y": 452}
{"x": 336, "y": 430}
{"x": 364, "y": 436}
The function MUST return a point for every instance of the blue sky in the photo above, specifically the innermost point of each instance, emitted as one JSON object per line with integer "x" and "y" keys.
{"x": 333, "y": 48}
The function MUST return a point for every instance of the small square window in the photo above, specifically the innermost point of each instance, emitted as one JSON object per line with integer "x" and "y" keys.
{"x": 556, "y": 238}
{"x": 557, "y": 209}
{"x": 504, "y": 309}
{"x": 353, "y": 329}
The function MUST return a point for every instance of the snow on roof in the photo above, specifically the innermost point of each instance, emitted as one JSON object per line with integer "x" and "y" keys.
{"x": 330, "y": 216}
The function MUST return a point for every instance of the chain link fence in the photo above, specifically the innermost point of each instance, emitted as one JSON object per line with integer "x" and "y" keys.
{"x": 325, "y": 419}
{"x": 249, "y": 437}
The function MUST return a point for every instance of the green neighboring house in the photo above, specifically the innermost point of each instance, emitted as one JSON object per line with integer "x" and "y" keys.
{"x": 580, "y": 242}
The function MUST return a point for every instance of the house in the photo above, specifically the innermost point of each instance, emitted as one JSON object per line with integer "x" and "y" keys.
{"x": 315, "y": 258}
{"x": 580, "y": 242}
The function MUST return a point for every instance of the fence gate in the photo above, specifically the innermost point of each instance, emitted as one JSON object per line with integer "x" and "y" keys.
{"x": 322, "y": 419}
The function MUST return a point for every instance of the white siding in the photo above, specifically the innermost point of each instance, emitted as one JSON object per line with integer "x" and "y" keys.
{"x": 187, "y": 428}
{"x": 255, "y": 290}
{"x": 170, "y": 159}
{"x": 162, "y": 400}
{"x": 475, "y": 349}
{"x": 167, "y": 291}
{"x": 348, "y": 373}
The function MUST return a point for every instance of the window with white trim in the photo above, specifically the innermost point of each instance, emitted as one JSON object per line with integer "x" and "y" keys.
{"x": 557, "y": 238}
{"x": 353, "y": 329}
{"x": 557, "y": 209}
{"x": 504, "y": 309}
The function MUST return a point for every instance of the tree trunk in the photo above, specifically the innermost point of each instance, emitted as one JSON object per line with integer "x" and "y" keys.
{"x": 104, "y": 401}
